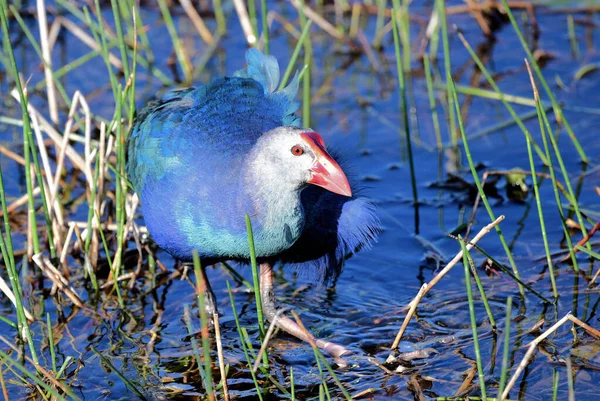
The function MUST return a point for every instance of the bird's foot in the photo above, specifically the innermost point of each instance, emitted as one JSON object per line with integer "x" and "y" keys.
{"x": 288, "y": 325}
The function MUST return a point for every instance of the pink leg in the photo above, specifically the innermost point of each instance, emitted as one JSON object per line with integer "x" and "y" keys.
{"x": 285, "y": 323}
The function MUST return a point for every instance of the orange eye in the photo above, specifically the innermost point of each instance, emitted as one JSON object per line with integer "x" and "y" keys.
{"x": 297, "y": 150}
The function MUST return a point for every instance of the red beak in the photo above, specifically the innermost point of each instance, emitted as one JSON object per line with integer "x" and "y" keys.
{"x": 326, "y": 172}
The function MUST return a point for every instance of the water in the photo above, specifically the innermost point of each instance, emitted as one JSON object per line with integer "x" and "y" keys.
{"x": 356, "y": 109}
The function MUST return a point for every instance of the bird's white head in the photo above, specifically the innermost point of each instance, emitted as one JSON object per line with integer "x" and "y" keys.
{"x": 295, "y": 156}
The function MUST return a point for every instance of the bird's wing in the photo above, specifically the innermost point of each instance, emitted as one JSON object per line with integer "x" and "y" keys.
{"x": 192, "y": 143}
{"x": 222, "y": 118}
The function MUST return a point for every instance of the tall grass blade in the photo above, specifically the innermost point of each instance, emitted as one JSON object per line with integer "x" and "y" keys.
{"x": 404, "y": 111}
{"x": 473, "y": 319}
{"x": 538, "y": 72}
{"x": 201, "y": 291}
{"x": 506, "y": 352}
{"x": 454, "y": 98}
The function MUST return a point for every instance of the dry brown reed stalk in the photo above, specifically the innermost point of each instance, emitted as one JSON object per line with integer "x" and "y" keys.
{"x": 49, "y": 376}
{"x": 265, "y": 342}
{"x": 320, "y": 21}
{"x": 380, "y": 366}
{"x": 220, "y": 357}
{"x": 11, "y": 296}
{"x": 57, "y": 138}
{"x": 57, "y": 278}
{"x": 366, "y": 392}
{"x": 533, "y": 345}
{"x": 54, "y": 207}
{"x": 67, "y": 242}
{"x": 477, "y": 14}
{"x": 427, "y": 287}
{"x": 47, "y": 59}
{"x": 12, "y": 155}
{"x": 53, "y": 35}
{"x": 287, "y": 25}
{"x": 582, "y": 242}
{"x": 106, "y": 226}
{"x": 242, "y": 12}
{"x": 416, "y": 389}
{"x": 22, "y": 200}
{"x": 88, "y": 40}
{"x": 467, "y": 383}
{"x": 368, "y": 49}
{"x": 111, "y": 281}
{"x": 197, "y": 21}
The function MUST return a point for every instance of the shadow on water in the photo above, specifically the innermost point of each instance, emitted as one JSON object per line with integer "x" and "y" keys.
{"x": 355, "y": 108}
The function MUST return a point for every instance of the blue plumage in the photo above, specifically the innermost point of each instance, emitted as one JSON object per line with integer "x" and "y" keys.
{"x": 199, "y": 160}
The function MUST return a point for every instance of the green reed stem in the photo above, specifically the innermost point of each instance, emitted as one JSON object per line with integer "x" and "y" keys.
{"x": 111, "y": 265}
{"x": 572, "y": 198}
{"x": 100, "y": 38}
{"x": 432, "y": 103}
{"x": 120, "y": 36}
{"x": 570, "y": 383}
{"x": 220, "y": 17}
{"x": 128, "y": 383}
{"x": 33, "y": 376}
{"x": 265, "y": 25}
{"x": 244, "y": 348}
{"x": 307, "y": 78}
{"x": 6, "y": 246}
{"x": 97, "y": 29}
{"x": 292, "y": 384}
{"x": 201, "y": 288}
{"x": 484, "y": 298}
{"x": 120, "y": 181}
{"x": 379, "y": 23}
{"x": 255, "y": 278}
{"x": 555, "y": 377}
{"x": 473, "y": 319}
{"x": 51, "y": 342}
{"x": 587, "y": 251}
{"x": 36, "y": 47}
{"x": 506, "y": 352}
{"x": 88, "y": 238}
{"x": 555, "y": 189}
{"x": 538, "y": 72}
{"x": 404, "y": 110}
{"x": 253, "y": 17}
{"x": 505, "y": 99}
{"x": 484, "y": 198}
{"x": 292, "y": 62}
{"x": 441, "y": 11}
{"x": 332, "y": 373}
{"x": 573, "y": 37}
{"x": 538, "y": 202}
{"x": 188, "y": 324}
{"x": 182, "y": 57}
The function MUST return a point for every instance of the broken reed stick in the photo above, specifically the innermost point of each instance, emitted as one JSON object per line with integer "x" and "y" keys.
{"x": 5, "y": 289}
{"x": 427, "y": 287}
{"x": 217, "y": 327}
{"x": 244, "y": 19}
{"x": 197, "y": 21}
{"x": 47, "y": 58}
{"x": 57, "y": 278}
{"x": 265, "y": 342}
{"x": 533, "y": 345}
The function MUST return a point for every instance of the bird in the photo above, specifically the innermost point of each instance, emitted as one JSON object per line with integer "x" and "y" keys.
{"x": 202, "y": 158}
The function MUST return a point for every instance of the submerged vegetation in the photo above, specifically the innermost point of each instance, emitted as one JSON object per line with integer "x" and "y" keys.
{"x": 92, "y": 309}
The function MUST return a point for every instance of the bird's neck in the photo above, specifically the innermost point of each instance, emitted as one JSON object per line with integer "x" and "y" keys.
{"x": 277, "y": 213}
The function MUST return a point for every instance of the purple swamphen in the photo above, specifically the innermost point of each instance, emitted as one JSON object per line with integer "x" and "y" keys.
{"x": 201, "y": 158}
